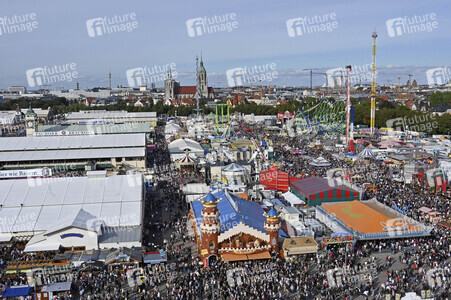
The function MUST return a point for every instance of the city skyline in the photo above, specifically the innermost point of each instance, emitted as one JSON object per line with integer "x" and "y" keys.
{"x": 291, "y": 35}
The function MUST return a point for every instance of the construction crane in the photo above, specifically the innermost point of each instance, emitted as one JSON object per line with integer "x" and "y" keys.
{"x": 311, "y": 77}
{"x": 409, "y": 83}
{"x": 373, "y": 85}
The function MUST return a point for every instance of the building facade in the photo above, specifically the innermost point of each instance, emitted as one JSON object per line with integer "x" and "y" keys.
{"x": 173, "y": 90}
{"x": 230, "y": 228}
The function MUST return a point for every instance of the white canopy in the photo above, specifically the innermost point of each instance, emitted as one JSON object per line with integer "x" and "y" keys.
{"x": 292, "y": 198}
{"x": 33, "y": 205}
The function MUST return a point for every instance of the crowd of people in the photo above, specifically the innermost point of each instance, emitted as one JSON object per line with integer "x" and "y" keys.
{"x": 371, "y": 269}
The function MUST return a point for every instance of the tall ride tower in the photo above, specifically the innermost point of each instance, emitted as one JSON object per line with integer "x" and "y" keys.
{"x": 373, "y": 85}
{"x": 197, "y": 86}
{"x": 348, "y": 105}
{"x": 109, "y": 79}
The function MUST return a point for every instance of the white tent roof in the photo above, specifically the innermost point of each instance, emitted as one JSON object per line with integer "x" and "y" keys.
{"x": 182, "y": 145}
{"x": 320, "y": 161}
{"x": 5, "y": 237}
{"x": 292, "y": 198}
{"x": 72, "y": 142}
{"x": 41, "y": 247}
{"x": 172, "y": 127}
{"x": 196, "y": 188}
{"x": 37, "y": 204}
{"x": 366, "y": 153}
{"x": 81, "y": 219}
{"x": 103, "y": 114}
{"x": 71, "y": 154}
{"x": 233, "y": 167}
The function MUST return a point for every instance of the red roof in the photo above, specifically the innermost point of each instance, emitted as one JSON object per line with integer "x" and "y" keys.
{"x": 406, "y": 96}
{"x": 237, "y": 99}
{"x": 191, "y": 90}
{"x": 313, "y": 185}
{"x": 185, "y": 90}
{"x": 184, "y": 101}
{"x": 409, "y": 103}
{"x": 188, "y": 101}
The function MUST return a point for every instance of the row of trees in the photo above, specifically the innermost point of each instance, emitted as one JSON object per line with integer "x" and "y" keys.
{"x": 385, "y": 113}
{"x": 439, "y": 98}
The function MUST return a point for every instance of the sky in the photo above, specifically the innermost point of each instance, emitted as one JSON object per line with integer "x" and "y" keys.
{"x": 262, "y": 38}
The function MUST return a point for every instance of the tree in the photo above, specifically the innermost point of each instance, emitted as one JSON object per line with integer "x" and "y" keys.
{"x": 438, "y": 98}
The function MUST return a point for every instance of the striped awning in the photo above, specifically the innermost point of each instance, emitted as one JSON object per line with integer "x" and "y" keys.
{"x": 366, "y": 153}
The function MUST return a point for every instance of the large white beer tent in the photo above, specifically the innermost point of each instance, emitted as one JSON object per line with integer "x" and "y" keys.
{"x": 113, "y": 148}
{"x": 71, "y": 211}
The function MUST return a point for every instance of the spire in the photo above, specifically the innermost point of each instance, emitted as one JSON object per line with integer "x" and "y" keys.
{"x": 209, "y": 198}
{"x": 30, "y": 111}
{"x": 169, "y": 73}
{"x": 272, "y": 214}
{"x": 201, "y": 67}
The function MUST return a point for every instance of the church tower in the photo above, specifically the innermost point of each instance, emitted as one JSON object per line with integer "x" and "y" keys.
{"x": 30, "y": 121}
{"x": 272, "y": 227}
{"x": 168, "y": 87}
{"x": 202, "y": 79}
{"x": 18, "y": 115}
{"x": 210, "y": 227}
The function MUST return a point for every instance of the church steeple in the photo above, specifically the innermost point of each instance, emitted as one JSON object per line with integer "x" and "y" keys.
{"x": 202, "y": 79}
{"x": 168, "y": 87}
{"x": 201, "y": 67}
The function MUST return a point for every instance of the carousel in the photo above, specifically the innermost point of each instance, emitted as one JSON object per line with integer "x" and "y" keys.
{"x": 186, "y": 164}
{"x": 235, "y": 174}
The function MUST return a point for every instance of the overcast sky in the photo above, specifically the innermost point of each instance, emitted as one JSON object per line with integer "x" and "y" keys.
{"x": 259, "y": 35}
